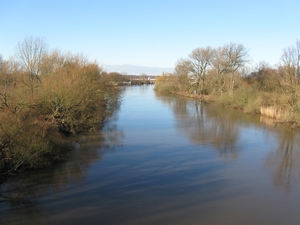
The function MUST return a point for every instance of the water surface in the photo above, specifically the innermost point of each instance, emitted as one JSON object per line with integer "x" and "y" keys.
{"x": 166, "y": 160}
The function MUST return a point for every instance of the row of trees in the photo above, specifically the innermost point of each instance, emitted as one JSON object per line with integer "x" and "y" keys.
{"x": 223, "y": 64}
{"x": 221, "y": 72}
{"x": 44, "y": 95}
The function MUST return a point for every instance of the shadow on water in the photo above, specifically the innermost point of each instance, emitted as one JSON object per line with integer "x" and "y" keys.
{"x": 20, "y": 196}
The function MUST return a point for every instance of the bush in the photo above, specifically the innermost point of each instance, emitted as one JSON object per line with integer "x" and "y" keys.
{"x": 164, "y": 87}
{"x": 246, "y": 99}
{"x": 36, "y": 114}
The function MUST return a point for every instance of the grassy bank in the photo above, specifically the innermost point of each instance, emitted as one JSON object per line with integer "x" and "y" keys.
{"x": 249, "y": 98}
{"x": 221, "y": 74}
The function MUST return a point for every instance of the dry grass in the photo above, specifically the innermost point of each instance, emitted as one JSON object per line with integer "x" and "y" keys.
{"x": 271, "y": 111}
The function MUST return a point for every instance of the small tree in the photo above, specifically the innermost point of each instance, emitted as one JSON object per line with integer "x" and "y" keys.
{"x": 290, "y": 75}
{"x": 291, "y": 63}
{"x": 29, "y": 54}
{"x": 181, "y": 74}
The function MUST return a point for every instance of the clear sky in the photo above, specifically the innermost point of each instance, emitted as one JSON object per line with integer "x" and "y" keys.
{"x": 151, "y": 32}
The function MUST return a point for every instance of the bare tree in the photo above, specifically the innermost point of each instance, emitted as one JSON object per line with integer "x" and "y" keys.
{"x": 200, "y": 61}
{"x": 290, "y": 75}
{"x": 227, "y": 61}
{"x": 29, "y": 54}
{"x": 291, "y": 62}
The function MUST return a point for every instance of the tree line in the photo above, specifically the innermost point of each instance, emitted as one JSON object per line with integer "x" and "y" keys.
{"x": 223, "y": 75}
{"x": 46, "y": 95}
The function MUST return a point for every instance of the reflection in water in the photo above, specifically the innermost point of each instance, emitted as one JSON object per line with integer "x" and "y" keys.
{"x": 221, "y": 128}
{"x": 268, "y": 121}
{"x": 168, "y": 171}
{"x": 285, "y": 160}
{"x": 207, "y": 125}
{"x": 21, "y": 194}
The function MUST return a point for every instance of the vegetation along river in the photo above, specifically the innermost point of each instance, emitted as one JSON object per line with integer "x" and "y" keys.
{"x": 166, "y": 160}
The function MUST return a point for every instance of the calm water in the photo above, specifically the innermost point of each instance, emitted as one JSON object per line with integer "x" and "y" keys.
{"x": 167, "y": 160}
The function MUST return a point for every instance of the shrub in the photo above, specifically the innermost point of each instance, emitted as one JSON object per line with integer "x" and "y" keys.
{"x": 164, "y": 87}
{"x": 34, "y": 118}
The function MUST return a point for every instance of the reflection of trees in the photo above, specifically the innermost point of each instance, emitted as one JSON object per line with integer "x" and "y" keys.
{"x": 285, "y": 160}
{"x": 19, "y": 195}
{"x": 207, "y": 125}
{"x": 219, "y": 128}
{"x": 216, "y": 129}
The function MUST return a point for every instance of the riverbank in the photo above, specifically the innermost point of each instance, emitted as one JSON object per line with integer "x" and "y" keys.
{"x": 205, "y": 98}
{"x": 185, "y": 164}
{"x": 268, "y": 113}
{"x": 39, "y": 113}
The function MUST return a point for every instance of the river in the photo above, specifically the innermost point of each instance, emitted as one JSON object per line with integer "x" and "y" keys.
{"x": 166, "y": 160}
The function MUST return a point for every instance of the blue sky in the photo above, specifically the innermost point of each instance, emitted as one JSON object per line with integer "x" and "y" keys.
{"x": 151, "y": 32}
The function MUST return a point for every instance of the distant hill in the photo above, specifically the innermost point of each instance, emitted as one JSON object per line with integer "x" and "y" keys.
{"x": 137, "y": 70}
